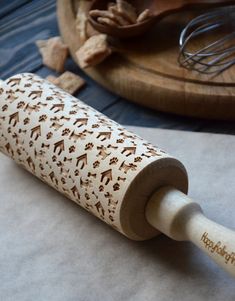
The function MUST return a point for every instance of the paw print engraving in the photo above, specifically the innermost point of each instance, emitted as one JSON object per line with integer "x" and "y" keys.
{"x": 27, "y": 85}
{"x": 66, "y": 132}
{"x": 42, "y": 118}
{"x": 138, "y": 159}
{"x": 95, "y": 126}
{"x": 89, "y": 146}
{"x": 20, "y": 105}
{"x": 59, "y": 164}
{"x": 120, "y": 141}
{"x": 72, "y": 149}
{"x": 116, "y": 187}
{"x": 4, "y": 108}
{"x": 111, "y": 218}
{"x": 96, "y": 164}
{"x": 49, "y": 135}
{"x": 19, "y": 152}
{"x": 73, "y": 112}
{"x": 113, "y": 161}
{"x": 26, "y": 121}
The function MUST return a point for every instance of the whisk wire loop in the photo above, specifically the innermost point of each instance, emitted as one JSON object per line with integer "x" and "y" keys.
{"x": 215, "y": 56}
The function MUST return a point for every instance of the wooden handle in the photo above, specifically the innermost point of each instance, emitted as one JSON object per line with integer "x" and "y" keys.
{"x": 206, "y": 3}
{"x": 163, "y": 8}
{"x": 177, "y": 216}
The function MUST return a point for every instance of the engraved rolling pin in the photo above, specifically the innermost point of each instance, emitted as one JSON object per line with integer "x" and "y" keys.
{"x": 131, "y": 185}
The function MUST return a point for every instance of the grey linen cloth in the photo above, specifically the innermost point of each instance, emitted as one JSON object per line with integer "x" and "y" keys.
{"x": 51, "y": 249}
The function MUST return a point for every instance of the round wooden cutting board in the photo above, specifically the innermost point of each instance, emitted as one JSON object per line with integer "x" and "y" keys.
{"x": 146, "y": 69}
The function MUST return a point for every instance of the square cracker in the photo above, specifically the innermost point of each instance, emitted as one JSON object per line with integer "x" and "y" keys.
{"x": 94, "y": 51}
{"x": 54, "y": 53}
{"x": 68, "y": 81}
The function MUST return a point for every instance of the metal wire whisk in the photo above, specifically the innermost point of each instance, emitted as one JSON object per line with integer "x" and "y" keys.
{"x": 207, "y": 43}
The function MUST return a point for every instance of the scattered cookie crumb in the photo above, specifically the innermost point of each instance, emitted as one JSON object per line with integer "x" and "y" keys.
{"x": 68, "y": 81}
{"x": 54, "y": 53}
{"x": 94, "y": 51}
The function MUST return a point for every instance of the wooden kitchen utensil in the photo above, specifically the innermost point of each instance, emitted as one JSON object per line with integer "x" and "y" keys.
{"x": 158, "y": 9}
{"x": 119, "y": 177}
{"x": 147, "y": 71}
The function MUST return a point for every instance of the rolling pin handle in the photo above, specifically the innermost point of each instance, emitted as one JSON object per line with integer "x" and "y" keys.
{"x": 176, "y": 215}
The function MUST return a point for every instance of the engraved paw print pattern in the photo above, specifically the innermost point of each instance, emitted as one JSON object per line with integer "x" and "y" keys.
{"x": 78, "y": 151}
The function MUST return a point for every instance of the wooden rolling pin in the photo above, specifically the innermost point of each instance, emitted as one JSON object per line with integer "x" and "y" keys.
{"x": 119, "y": 177}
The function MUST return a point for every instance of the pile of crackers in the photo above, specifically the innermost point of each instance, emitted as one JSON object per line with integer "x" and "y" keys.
{"x": 119, "y": 14}
{"x": 94, "y": 49}
{"x": 97, "y": 48}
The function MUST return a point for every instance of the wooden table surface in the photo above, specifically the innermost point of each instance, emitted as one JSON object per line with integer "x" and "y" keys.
{"x": 22, "y": 22}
